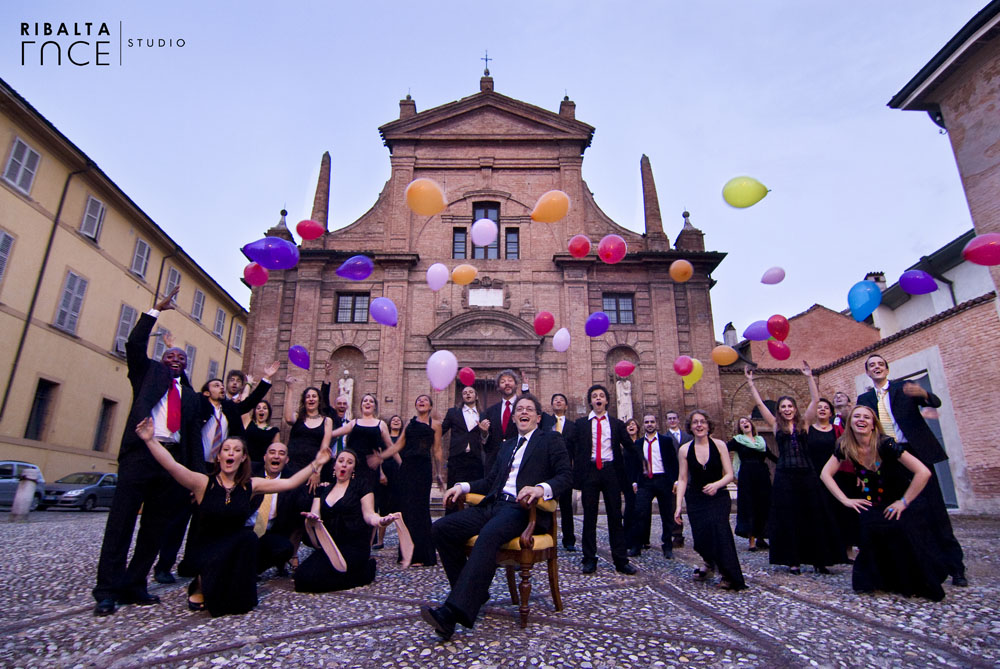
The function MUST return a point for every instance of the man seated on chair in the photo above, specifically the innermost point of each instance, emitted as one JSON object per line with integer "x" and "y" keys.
{"x": 530, "y": 466}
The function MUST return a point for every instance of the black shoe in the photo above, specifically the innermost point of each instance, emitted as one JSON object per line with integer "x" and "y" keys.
{"x": 164, "y": 577}
{"x": 668, "y": 554}
{"x": 589, "y": 566}
{"x": 960, "y": 581}
{"x": 441, "y": 619}
{"x": 634, "y": 552}
{"x": 105, "y": 607}
{"x": 569, "y": 549}
{"x": 141, "y": 599}
{"x": 678, "y": 542}
{"x": 628, "y": 569}
{"x": 761, "y": 543}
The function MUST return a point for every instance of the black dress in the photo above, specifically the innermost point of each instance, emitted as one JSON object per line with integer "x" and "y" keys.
{"x": 347, "y": 527}
{"x": 895, "y": 555}
{"x": 387, "y": 496}
{"x": 802, "y": 529}
{"x": 258, "y": 439}
{"x": 304, "y": 443}
{"x": 820, "y": 447}
{"x": 366, "y": 440}
{"x": 415, "y": 476}
{"x": 709, "y": 517}
{"x": 753, "y": 490}
{"x": 226, "y": 553}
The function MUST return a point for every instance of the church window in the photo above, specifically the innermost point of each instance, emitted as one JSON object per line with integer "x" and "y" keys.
{"x": 490, "y": 210}
{"x": 512, "y": 244}
{"x": 458, "y": 243}
{"x": 352, "y": 308}
{"x": 619, "y": 308}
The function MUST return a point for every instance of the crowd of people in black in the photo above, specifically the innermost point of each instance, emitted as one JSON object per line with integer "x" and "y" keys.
{"x": 851, "y": 484}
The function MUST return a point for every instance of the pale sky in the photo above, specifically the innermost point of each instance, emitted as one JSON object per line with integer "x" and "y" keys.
{"x": 214, "y": 138}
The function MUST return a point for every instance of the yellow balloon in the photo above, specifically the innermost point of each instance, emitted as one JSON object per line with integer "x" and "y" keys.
{"x": 463, "y": 275}
{"x": 695, "y": 374}
{"x": 681, "y": 270}
{"x": 425, "y": 197}
{"x": 743, "y": 192}
{"x": 724, "y": 355}
{"x": 551, "y": 207}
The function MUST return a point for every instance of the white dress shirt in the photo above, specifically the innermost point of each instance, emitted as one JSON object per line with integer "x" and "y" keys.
{"x": 160, "y": 430}
{"x": 471, "y": 415}
{"x": 217, "y": 422}
{"x": 607, "y": 455}
{"x": 510, "y": 486}
{"x": 656, "y": 463}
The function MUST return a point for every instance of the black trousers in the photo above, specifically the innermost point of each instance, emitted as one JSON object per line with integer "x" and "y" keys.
{"x": 628, "y": 515}
{"x": 173, "y": 536}
{"x": 597, "y": 482}
{"x": 470, "y": 578}
{"x": 464, "y": 467}
{"x": 940, "y": 524}
{"x": 660, "y": 489}
{"x": 566, "y": 515}
{"x": 273, "y": 550}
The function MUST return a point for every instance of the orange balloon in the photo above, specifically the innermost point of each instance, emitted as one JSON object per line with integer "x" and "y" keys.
{"x": 681, "y": 270}
{"x": 551, "y": 207}
{"x": 724, "y": 355}
{"x": 463, "y": 275}
{"x": 425, "y": 197}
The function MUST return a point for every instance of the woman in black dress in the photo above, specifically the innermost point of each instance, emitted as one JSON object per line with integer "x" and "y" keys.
{"x": 420, "y": 448}
{"x": 225, "y": 558}
{"x": 347, "y": 510}
{"x": 822, "y": 441}
{"x": 259, "y": 433}
{"x": 896, "y": 548}
{"x": 704, "y": 471}
{"x": 387, "y": 492}
{"x": 753, "y": 483}
{"x": 367, "y": 437}
{"x": 822, "y": 436}
{"x": 802, "y": 529}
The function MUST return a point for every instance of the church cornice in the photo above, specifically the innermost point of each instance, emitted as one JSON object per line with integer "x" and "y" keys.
{"x": 466, "y": 331}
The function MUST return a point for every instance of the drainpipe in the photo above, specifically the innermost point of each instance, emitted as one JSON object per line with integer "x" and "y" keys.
{"x": 925, "y": 262}
{"x": 229, "y": 338}
{"x": 38, "y": 286}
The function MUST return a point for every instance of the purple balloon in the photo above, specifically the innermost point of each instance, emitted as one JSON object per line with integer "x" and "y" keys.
{"x": 917, "y": 282}
{"x": 383, "y": 310}
{"x": 299, "y": 356}
{"x": 273, "y": 253}
{"x": 597, "y": 324}
{"x": 356, "y": 268}
{"x": 757, "y": 331}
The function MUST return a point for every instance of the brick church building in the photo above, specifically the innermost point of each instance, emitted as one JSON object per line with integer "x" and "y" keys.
{"x": 494, "y": 156}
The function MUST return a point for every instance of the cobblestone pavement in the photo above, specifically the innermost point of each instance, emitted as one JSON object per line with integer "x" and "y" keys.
{"x": 656, "y": 618}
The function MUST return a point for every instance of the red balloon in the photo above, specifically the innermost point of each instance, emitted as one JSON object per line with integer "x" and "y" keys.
{"x": 623, "y": 368}
{"x": 466, "y": 376}
{"x": 579, "y": 246}
{"x": 777, "y": 325}
{"x": 544, "y": 322}
{"x": 778, "y": 349}
{"x": 309, "y": 229}
{"x": 683, "y": 365}
{"x": 255, "y": 275}
{"x": 983, "y": 249}
{"x": 611, "y": 249}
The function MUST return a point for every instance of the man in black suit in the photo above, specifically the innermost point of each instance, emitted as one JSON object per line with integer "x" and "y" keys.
{"x": 465, "y": 451}
{"x": 500, "y": 416}
{"x": 274, "y": 548}
{"x": 558, "y": 421}
{"x": 897, "y": 405}
{"x": 161, "y": 390}
{"x": 656, "y": 481}
{"x": 599, "y": 468}
{"x": 680, "y": 438}
{"x": 531, "y": 467}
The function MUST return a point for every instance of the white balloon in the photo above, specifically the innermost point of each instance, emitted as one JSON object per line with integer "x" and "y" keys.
{"x": 560, "y": 341}
{"x": 484, "y": 232}
{"x": 442, "y": 367}
{"x": 437, "y": 276}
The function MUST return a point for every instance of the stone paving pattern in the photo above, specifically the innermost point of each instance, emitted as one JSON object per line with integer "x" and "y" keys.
{"x": 656, "y": 618}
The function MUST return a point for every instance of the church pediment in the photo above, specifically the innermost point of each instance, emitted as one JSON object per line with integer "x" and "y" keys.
{"x": 477, "y": 329}
{"x": 490, "y": 121}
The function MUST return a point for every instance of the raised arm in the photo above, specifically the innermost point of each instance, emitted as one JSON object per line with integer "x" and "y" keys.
{"x": 682, "y": 480}
{"x": 251, "y": 399}
{"x": 193, "y": 481}
{"x": 764, "y": 411}
{"x": 290, "y": 414}
{"x": 810, "y": 414}
{"x": 265, "y": 485}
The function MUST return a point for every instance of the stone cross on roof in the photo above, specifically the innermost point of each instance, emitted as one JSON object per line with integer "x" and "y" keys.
{"x": 486, "y": 72}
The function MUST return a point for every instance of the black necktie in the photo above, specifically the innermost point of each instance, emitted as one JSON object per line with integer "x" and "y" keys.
{"x": 510, "y": 463}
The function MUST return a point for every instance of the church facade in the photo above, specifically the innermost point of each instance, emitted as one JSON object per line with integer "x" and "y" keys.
{"x": 494, "y": 156}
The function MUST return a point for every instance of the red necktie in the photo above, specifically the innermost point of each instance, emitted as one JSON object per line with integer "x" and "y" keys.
{"x": 173, "y": 408}
{"x": 600, "y": 442}
{"x": 649, "y": 451}
{"x": 506, "y": 416}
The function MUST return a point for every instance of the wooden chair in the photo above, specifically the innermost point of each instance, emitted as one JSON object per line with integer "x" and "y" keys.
{"x": 524, "y": 552}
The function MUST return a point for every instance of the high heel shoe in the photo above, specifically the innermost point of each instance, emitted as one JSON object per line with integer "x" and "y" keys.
{"x": 195, "y": 606}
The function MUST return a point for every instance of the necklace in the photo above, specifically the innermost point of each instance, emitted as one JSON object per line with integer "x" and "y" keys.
{"x": 229, "y": 490}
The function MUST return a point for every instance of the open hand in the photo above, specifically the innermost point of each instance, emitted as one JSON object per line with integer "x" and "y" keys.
{"x": 858, "y": 505}
{"x": 310, "y": 514}
{"x": 272, "y": 369}
{"x": 168, "y": 300}
{"x": 145, "y": 429}
{"x": 806, "y": 369}
{"x": 911, "y": 389}
{"x": 894, "y": 510}
{"x": 747, "y": 372}
{"x": 388, "y": 520}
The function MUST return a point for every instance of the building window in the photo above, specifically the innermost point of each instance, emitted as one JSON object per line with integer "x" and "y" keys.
{"x": 140, "y": 258}
{"x": 198, "y": 306}
{"x": 213, "y": 369}
{"x": 191, "y": 351}
{"x": 352, "y": 308}
{"x": 71, "y": 302}
{"x": 220, "y": 323}
{"x": 238, "y": 338}
{"x": 6, "y": 245}
{"x": 160, "y": 343}
{"x": 458, "y": 243}
{"x": 490, "y": 210}
{"x": 21, "y": 167}
{"x": 619, "y": 308}
{"x": 126, "y": 321}
{"x": 173, "y": 280}
{"x": 512, "y": 244}
{"x": 93, "y": 217}
{"x": 104, "y": 422}
{"x": 38, "y": 419}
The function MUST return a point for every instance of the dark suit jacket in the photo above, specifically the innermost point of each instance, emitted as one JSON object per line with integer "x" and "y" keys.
{"x": 685, "y": 438}
{"x": 497, "y": 435}
{"x": 544, "y": 461}
{"x": 906, "y": 410}
{"x": 330, "y": 412}
{"x": 668, "y": 453}
{"x": 582, "y": 447}
{"x": 150, "y": 382}
{"x": 234, "y": 410}
{"x": 461, "y": 437}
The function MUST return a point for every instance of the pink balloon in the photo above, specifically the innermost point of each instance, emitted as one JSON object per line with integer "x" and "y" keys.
{"x": 579, "y": 246}
{"x": 773, "y": 276}
{"x": 255, "y": 275}
{"x": 683, "y": 365}
{"x": 778, "y": 349}
{"x": 623, "y": 368}
{"x": 466, "y": 376}
{"x": 309, "y": 229}
{"x": 441, "y": 369}
{"x": 612, "y": 249}
{"x": 544, "y": 322}
{"x": 983, "y": 249}
{"x": 777, "y": 326}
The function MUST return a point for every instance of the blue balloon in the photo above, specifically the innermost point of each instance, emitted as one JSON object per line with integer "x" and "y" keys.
{"x": 863, "y": 298}
{"x": 356, "y": 268}
{"x": 757, "y": 331}
{"x": 597, "y": 324}
{"x": 273, "y": 253}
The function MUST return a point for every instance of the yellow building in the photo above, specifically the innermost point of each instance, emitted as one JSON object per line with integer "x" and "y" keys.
{"x": 79, "y": 261}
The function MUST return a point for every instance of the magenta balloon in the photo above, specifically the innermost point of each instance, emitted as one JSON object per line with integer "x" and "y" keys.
{"x": 383, "y": 310}
{"x": 779, "y": 350}
{"x": 255, "y": 275}
{"x": 273, "y": 253}
{"x": 611, "y": 249}
{"x": 356, "y": 268}
{"x": 917, "y": 282}
{"x": 299, "y": 356}
{"x": 757, "y": 331}
{"x": 597, "y": 324}
{"x": 983, "y": 249}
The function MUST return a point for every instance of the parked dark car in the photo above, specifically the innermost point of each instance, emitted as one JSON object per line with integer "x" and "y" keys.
{"x": 10, "y": 477}
{"x": 83, "y": 490}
